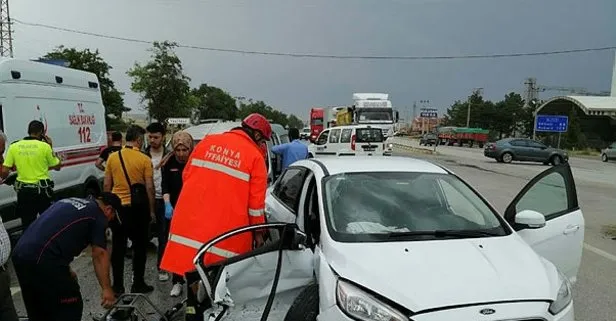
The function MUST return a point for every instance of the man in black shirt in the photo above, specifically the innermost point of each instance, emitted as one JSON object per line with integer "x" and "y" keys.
{"x": 116, "y": 145}
{"x": 42, "y": 256}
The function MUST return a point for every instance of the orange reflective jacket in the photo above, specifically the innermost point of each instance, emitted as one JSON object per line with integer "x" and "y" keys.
{"x": 224, "y": 188}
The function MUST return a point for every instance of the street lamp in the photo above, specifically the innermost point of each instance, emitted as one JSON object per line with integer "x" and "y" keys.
{"x": 533, "y": 104}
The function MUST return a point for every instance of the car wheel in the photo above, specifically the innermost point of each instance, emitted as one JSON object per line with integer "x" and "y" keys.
{"x": 507, "y": 157}
{"x": 556, "y": 160}
{"x": 306, "y": 306}
{"x": 604, "y": 157}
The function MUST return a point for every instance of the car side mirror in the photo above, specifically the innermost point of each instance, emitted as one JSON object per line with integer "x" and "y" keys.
{"x": 530, "y": 219}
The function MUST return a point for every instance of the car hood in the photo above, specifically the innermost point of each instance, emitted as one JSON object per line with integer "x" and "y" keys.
{"x": 422, "y": 275}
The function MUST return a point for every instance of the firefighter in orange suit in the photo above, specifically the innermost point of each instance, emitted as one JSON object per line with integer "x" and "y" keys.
{"x": 225, "y": 180}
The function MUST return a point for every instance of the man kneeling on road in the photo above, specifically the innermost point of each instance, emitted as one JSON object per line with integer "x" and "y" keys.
{"x": 42, "y": 256}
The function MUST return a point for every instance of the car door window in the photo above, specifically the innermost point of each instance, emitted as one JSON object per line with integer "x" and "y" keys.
{"x": 552, "y": 193}
{"x": 334, "y": 136}
{"x": 289, "y": 187}
{"x": 613, "y": 146}
{"x": 536, "y": 145}
{"x": 322, "y": 140}
{"x": 345, "y": 136}
{"x": 548, "y": 196}
{"x": 518, "y": 143}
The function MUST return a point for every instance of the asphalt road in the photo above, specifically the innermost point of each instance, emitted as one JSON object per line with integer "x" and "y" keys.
{"x": 596, "y": 183}
{"x": 595, "y": 290}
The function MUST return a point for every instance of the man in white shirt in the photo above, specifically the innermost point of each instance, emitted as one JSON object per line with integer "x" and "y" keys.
{"x": 7, "y": 308}
{"x": 156, "y": 150}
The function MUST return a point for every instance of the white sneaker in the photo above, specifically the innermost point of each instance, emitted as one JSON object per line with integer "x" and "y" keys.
{"x": 176, "y": 290}
{"x": 163, "y": 276}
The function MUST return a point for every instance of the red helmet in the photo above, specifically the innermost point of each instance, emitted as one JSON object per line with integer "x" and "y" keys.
{"x": 258, "y": 122}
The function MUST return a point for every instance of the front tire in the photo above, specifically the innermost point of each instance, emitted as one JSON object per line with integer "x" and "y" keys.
{"x": 306, "y": 306}
{"x": 604, "y": 157}
{"x": 507, "y": 157}
{"x": 556, "y": 160}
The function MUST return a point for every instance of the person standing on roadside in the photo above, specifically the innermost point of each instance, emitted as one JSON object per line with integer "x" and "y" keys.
{"x": 129, "y": 175}
{"x": 172, "y": 168}
{"x": 157, "y": 151}
{"x": 43, "y": 255}
{"x": 293, "y": 151}
{"x": 116, "y": 145}
{"x": 224, "y": 185}
{"x": 7, "y": 308}
{"x": 32, "y": 157}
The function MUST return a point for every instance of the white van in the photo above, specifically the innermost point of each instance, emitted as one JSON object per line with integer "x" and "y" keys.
{"x": 69, "y": 103}
{"x": 218, "y": 126}
{"x": 350, "y": 140}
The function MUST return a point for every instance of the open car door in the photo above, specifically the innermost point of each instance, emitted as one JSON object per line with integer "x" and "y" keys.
{"x": 251, "y": 283}
{"x": 553, "y": 194}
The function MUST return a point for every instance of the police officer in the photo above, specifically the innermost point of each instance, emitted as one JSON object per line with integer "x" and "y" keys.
{"x": 32, "y": 157}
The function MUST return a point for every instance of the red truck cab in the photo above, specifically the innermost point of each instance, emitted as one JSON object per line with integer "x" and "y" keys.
{"x": 316, "y": 123}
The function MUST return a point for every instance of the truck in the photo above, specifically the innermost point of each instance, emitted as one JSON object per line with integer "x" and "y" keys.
{"x": 462, "y": 135}
{"x": 317, "y": 118}
{"x": 375, "y": 109}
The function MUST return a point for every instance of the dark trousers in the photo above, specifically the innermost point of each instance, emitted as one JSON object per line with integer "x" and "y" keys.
{"x": 31, "y": 203}
{"x": 50, "y": 292}
{"x": 163, "y": 235}
{"x": 7, "y": 308}
{"x": 135, "y": 225}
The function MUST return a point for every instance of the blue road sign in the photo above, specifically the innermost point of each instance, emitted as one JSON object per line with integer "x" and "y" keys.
{"x": 428, "y": 114}
{"x": 552, "y": 123}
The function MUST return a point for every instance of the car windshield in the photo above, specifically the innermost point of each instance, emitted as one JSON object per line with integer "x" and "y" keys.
{"x": 317, "y": 121}
{"x": 369, "y": 135}
{"x": 374, "y": 206}
{"x": 374, "y": 114}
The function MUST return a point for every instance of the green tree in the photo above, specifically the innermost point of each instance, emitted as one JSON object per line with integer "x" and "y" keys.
{"x": 213, "y": 102}
{"x": 508, "y": 114}
{"x": 92, "y": 61}
{"x": 295, "y": 122}
{"x": 264, "y": 109}
{"x": 161, "y": 83}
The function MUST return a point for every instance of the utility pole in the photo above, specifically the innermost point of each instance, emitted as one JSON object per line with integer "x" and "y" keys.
{"x": 468, "y": 110}
{"x": 6, "y": 33}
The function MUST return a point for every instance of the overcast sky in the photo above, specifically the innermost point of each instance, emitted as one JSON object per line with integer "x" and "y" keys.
{"x": 342, "y": 27}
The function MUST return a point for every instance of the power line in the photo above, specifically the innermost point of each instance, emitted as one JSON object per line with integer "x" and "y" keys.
{"x": 325, "y": 56}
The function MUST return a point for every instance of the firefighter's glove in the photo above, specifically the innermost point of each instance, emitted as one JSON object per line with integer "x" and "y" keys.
{"x": 168, "y": 210}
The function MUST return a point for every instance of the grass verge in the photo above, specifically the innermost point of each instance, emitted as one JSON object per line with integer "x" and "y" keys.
{"x": 584, "y": 152}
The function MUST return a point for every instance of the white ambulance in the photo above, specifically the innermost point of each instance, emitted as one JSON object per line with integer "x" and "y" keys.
{"x": 69, "y": 103}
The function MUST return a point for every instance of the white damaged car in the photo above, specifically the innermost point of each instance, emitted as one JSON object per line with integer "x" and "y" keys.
{"x": 391, "y": 238}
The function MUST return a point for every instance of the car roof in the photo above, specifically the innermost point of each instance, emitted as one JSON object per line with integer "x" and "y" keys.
{"x": 356, "y": 164}
{"x": 360, "y": 126}
{"x": 199, "y": 131}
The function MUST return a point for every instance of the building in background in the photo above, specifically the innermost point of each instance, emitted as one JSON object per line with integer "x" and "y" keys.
{"x": 425, "y": 125}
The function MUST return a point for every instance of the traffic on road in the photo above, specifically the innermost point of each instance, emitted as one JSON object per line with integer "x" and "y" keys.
{"x": 242, "y": 220}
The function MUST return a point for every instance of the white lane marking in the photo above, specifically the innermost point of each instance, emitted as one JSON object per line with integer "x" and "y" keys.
{"x": 600, "y": 252}
{"x": 15, "y": 290}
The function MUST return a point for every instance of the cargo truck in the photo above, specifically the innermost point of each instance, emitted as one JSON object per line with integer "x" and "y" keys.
{"x": 462, "y": 135}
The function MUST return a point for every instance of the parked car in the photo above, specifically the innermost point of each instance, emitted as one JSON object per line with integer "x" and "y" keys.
{"x": 393, "y": 238}
{"x": 305, "y": 133}
{"x": 609, "y": 153}
{"x": 524, "y": 149}
{"x": 349, "y": 140}
{"x": 428, "y": 139}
